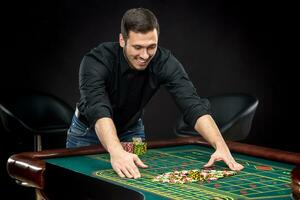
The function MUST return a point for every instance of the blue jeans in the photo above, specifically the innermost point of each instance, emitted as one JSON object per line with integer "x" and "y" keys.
{"x": 80, "y": 135}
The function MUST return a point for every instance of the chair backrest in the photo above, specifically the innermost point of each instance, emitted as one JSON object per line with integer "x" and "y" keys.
{"x": 233, "y": 113}
{"x": 35, "y": 112}
{"x": 34, "y": 118}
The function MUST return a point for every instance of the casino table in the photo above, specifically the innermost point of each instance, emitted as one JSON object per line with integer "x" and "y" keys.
{"x": 86, "y": 173}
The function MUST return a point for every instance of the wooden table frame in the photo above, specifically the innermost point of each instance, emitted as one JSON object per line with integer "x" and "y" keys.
{"x": 29, "y": 168}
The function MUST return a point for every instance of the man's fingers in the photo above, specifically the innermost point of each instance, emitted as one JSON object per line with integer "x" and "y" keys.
{"x": 127, "y": 165}
{"x": 139, "y": 163}
{"x": 134, "y": 171}
{"x": 237, "y": 166}
{"x": 234, "y": 165}
{"x": 126, "y": 172}
{"x": 119, "y": 172}
{"x": 210, "y": 162}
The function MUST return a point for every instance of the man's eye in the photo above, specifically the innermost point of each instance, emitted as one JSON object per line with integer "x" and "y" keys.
{"x": 137, "y": 47}
{"x": 151, "y": 47}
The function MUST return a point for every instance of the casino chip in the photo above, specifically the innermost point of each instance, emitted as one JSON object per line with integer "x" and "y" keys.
{"x": 127, "y": 146}
{"x": 137, "y": 146}
{"x": 195, "y": 175}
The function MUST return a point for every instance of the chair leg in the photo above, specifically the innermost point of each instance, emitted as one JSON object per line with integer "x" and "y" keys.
{"x": 39, "y": 195}
{"x": 37, "y": 143}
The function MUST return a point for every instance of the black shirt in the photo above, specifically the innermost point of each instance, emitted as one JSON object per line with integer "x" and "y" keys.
{"x": 110, "y": 88}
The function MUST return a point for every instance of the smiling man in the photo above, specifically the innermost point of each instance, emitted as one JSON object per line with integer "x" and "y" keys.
{"x": 117, "y": 80}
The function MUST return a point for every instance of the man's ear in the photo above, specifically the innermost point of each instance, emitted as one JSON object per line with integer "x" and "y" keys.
{"x": 121, "y": 40}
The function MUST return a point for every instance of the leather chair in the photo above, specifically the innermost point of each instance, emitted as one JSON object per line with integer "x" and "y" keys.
{"x": 233, "y": 113}
{"x": 29, "y": 121}
{"x": 33, "y": 116}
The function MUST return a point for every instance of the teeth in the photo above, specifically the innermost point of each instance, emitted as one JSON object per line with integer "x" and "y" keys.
{"x": 142, "y": 61}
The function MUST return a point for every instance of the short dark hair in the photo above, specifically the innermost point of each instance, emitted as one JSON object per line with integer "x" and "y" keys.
{"x": 138, "y": 20}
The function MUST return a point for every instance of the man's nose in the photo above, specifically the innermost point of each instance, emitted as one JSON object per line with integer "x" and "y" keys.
{"x": 144, "y": 54}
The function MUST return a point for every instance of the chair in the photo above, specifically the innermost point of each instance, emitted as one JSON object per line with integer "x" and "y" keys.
{"x": 233, "y": 113}
{"x": 35, "y": 115}
{"x": 30, "y": 121}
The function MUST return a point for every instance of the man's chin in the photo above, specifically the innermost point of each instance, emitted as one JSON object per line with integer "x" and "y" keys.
{"x": 140, "y": 67}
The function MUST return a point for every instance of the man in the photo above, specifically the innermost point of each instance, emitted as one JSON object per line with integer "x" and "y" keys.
{"x": 116, "y": 82}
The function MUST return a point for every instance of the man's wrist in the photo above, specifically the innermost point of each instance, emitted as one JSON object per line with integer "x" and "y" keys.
{"x": 115, "y": 148}
{"x": 221, "y": 144}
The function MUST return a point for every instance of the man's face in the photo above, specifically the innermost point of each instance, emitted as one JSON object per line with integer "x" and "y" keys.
{"x": 139, "y": 48}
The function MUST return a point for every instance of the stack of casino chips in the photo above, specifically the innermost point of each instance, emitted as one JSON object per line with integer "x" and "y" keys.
{"x": 137, "y": 146}
{"x": 127, "y": 146}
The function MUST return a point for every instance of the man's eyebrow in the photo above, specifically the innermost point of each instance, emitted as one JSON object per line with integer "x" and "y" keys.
{"x": 139, "y": 45}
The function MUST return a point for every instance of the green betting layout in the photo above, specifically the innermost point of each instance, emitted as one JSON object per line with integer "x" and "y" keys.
{"x": 261, "y": 179}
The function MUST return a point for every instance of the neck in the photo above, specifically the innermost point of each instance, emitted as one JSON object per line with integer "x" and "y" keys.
{"x": 130, "y": 65}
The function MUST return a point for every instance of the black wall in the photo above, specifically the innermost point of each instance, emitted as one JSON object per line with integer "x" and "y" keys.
{"x": 225, "y": 46}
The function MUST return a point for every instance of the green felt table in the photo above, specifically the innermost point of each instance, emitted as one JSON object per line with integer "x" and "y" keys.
{"x": 89, "y": 175}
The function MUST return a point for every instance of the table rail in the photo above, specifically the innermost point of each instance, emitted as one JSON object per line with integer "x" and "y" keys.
{"x": 29, "y": 167}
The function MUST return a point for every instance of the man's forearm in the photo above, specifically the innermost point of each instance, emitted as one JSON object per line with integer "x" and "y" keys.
{"x": 106, "y": 132}
{"x": 206, "y": 126}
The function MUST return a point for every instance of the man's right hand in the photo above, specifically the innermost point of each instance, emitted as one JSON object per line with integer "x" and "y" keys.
{"x": 126, "y": 164}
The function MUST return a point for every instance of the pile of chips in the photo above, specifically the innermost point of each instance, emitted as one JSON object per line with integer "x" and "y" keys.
{"x": 137, "y": 146}
{"x": 195, "y": 175}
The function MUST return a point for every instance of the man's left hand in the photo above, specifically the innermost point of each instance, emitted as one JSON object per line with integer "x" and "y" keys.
{"x": 224, "y": 155}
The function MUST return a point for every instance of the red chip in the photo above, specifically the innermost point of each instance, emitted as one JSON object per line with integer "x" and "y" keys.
{"x": 127, "y": 146}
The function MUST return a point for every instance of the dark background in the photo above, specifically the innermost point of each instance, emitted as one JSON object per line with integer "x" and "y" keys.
{"x": 225, "y": 46}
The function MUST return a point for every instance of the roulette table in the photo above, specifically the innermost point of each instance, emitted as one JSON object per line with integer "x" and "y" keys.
{"x": 86, "y": 173}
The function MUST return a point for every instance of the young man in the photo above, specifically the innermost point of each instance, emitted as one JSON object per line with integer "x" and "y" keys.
{"x": 116, "y": 82}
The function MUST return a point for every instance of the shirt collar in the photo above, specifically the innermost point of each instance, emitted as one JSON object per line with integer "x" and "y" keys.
{"x": 124, "y": 62}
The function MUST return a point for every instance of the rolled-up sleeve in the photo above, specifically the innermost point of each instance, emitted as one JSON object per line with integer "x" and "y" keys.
{"x": 183, "y": 91}
{"x": 94, "y": 101}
